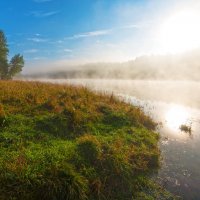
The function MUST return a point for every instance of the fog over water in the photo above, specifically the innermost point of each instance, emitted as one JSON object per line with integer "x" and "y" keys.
{"x": 168, "y": 78}
{"x": 181, "y": 92}
{"x": 179, "y": 66}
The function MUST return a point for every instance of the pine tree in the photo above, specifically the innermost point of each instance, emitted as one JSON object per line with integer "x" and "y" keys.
{"x": 8, "y": 69}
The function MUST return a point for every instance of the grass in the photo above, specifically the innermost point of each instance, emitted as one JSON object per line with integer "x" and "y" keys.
{"x": 186, "y": 128}
{"x": 67, "y": 143}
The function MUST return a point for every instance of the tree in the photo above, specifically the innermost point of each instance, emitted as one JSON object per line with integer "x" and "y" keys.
{"x": 8, "y": 69}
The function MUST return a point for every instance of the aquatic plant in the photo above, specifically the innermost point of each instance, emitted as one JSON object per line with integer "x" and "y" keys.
{"x": 186, "y": 128}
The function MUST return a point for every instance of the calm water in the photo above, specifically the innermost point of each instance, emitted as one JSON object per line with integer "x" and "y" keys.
{"x": 180, "y": 169}
{"x": 173, "y": 103}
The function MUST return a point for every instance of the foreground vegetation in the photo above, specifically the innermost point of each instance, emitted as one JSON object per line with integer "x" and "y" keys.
{"x": 65, "y": 142}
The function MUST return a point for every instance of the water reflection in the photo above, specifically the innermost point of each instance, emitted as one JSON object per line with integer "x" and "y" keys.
{"x": 179, "y": 172}
{"x": 176, "y": 116}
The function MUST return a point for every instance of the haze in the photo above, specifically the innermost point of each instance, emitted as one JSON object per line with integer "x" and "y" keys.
{"x": 59, "y": 34}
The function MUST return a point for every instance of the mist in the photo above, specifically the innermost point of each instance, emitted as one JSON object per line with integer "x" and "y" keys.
{"x": 182, "y": 66}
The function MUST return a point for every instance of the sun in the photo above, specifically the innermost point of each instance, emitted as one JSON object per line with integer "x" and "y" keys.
{"x": 180, "y": 32}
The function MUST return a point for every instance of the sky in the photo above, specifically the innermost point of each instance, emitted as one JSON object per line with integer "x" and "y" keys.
{"x": 58, "y": 33}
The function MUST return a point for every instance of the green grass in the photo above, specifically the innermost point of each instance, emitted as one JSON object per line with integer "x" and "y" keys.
{"x": 67, "y": 143}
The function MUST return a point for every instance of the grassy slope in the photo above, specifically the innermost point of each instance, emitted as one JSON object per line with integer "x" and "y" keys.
{"x": 64, "y": 142}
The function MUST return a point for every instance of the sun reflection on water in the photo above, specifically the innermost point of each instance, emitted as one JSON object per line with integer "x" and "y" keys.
{"x": 176, "y": 116}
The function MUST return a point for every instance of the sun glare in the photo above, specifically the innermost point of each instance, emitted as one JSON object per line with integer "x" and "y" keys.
{"x": 180, "y": 32}
{"x": 176, "y": 116}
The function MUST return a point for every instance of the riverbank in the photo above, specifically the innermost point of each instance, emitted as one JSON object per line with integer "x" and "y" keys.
{"x": 178, "y": 92}
{"x": 67, "y": 142}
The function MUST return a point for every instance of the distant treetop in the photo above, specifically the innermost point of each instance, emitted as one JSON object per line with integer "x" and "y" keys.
{"x": 8, "y": 69}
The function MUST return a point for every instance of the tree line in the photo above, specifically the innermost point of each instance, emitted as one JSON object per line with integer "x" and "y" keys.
{"x": 8, "y": 68}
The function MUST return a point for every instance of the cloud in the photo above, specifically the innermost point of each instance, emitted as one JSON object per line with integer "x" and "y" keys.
{"x": 90, "y": 34}
{"x": 59, "y": 41}
{"x": 31, "y": 51}
{"x": 39, "y": 58}
{"x": 135, "y": 26}
{"x": 35, "y": 39}
{"x": 105, "y": 31}
{"x": 43, "y": 14}
{"x": 42, "y": 1}
{"x": 68, "y": 50}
